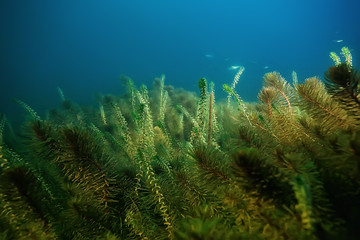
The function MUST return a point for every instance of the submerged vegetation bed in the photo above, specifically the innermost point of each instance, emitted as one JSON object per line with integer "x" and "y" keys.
{"x": 167, "y": 164}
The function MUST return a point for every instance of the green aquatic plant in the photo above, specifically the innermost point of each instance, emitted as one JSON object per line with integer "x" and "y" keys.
{"x": 2, "y": 128}
{"x": 163, "y": 100}
{"x": 319, "y": 104}
{"x": 235, "y": 81}
{"x": 343, "y": 83}
{"x": 267, "y": 96}
{"x": 30, "y": 111}
{"x": 241, "y": 106}
{"x": 164, "y": 163}
{"x": 276, "y": 81}
{"x": 345, "y": 52}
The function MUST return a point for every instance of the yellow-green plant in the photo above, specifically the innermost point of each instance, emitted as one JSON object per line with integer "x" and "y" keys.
{"x": 345, "y": 52}
{"x": 162, "y": 163}
{"x": 267, "y": 96}
{"x": 319, "y": 104}
{"x": 235, "y": 81}
{"x": 276, "y": 81}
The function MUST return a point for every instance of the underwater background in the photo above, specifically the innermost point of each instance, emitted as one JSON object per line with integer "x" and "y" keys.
{"x": 179, "y": 120}
{"x": 84, "y": 46}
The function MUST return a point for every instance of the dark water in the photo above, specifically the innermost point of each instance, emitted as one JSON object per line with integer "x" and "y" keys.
{"x": 84, "y": 46}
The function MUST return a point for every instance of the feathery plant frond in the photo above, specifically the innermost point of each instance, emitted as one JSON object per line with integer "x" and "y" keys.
{"x": 9, "y": 158}
{"x": 231, "y": 92}
{"x": 205, "y": 123}
{"x": 102, "y": 114}
{"x": 202, "y": 104}
{"x": 126, "y": 140}
{"x": 146, "y": 151}
{"x": 315, "y": 100}
{"x": 236, "y": 80}
{"x": 138, "y": 223}
{"x": 146, "y": 173}
{"x": 84, "y": 218}
{"x": 294, "y": 77}
{"x": 213, "y": 118}
{"x": 164, "y": 142}
{"x": 211, "y": 109}
{"x": 280, "y": 123}
{"x": 81, "y": 152}
{"x": 267, "y": 96}
{"x": 196, "y": 135}
{"x": 304, "y": 206}
{"x": 2, "y": 128}
{"x": 163, "y": 100}
{"x": 237, "y": 76}
{"x": 262, "y": 178}
{"x": 275, "y": 80}
{"x": 343, "y": 83}
{"x": 42, "y": 140}
{"x": 145, "y": 123}
{"x": 241, "y": 105}
{"x": 4, "y": 162}
{"x": 345, "y": 52}
{"x": 31, "y": 111}
{"x": 123, "y": 125}
{"x": 61, "y": 94}
{"x": 212, "y": 162}
{"x": 131, "y": 90}
{"x": 335, "y": 58}
{"x": 23, "y": 204}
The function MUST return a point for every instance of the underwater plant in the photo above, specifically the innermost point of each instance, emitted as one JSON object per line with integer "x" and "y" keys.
{"x": 164, "y": 163}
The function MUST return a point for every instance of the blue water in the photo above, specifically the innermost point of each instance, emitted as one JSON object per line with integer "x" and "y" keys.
{"x": 84, "y": 46}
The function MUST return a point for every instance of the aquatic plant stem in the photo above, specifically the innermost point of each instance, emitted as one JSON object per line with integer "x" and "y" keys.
{"x": 269, "y": 108}
{"x": 210, "y": 116}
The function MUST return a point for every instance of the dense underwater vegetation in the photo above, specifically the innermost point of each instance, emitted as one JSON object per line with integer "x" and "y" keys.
{"x": 165, "y": 163}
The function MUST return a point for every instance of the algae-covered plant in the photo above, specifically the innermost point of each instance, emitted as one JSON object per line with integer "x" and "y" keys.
{"x": 164, "y": 163}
